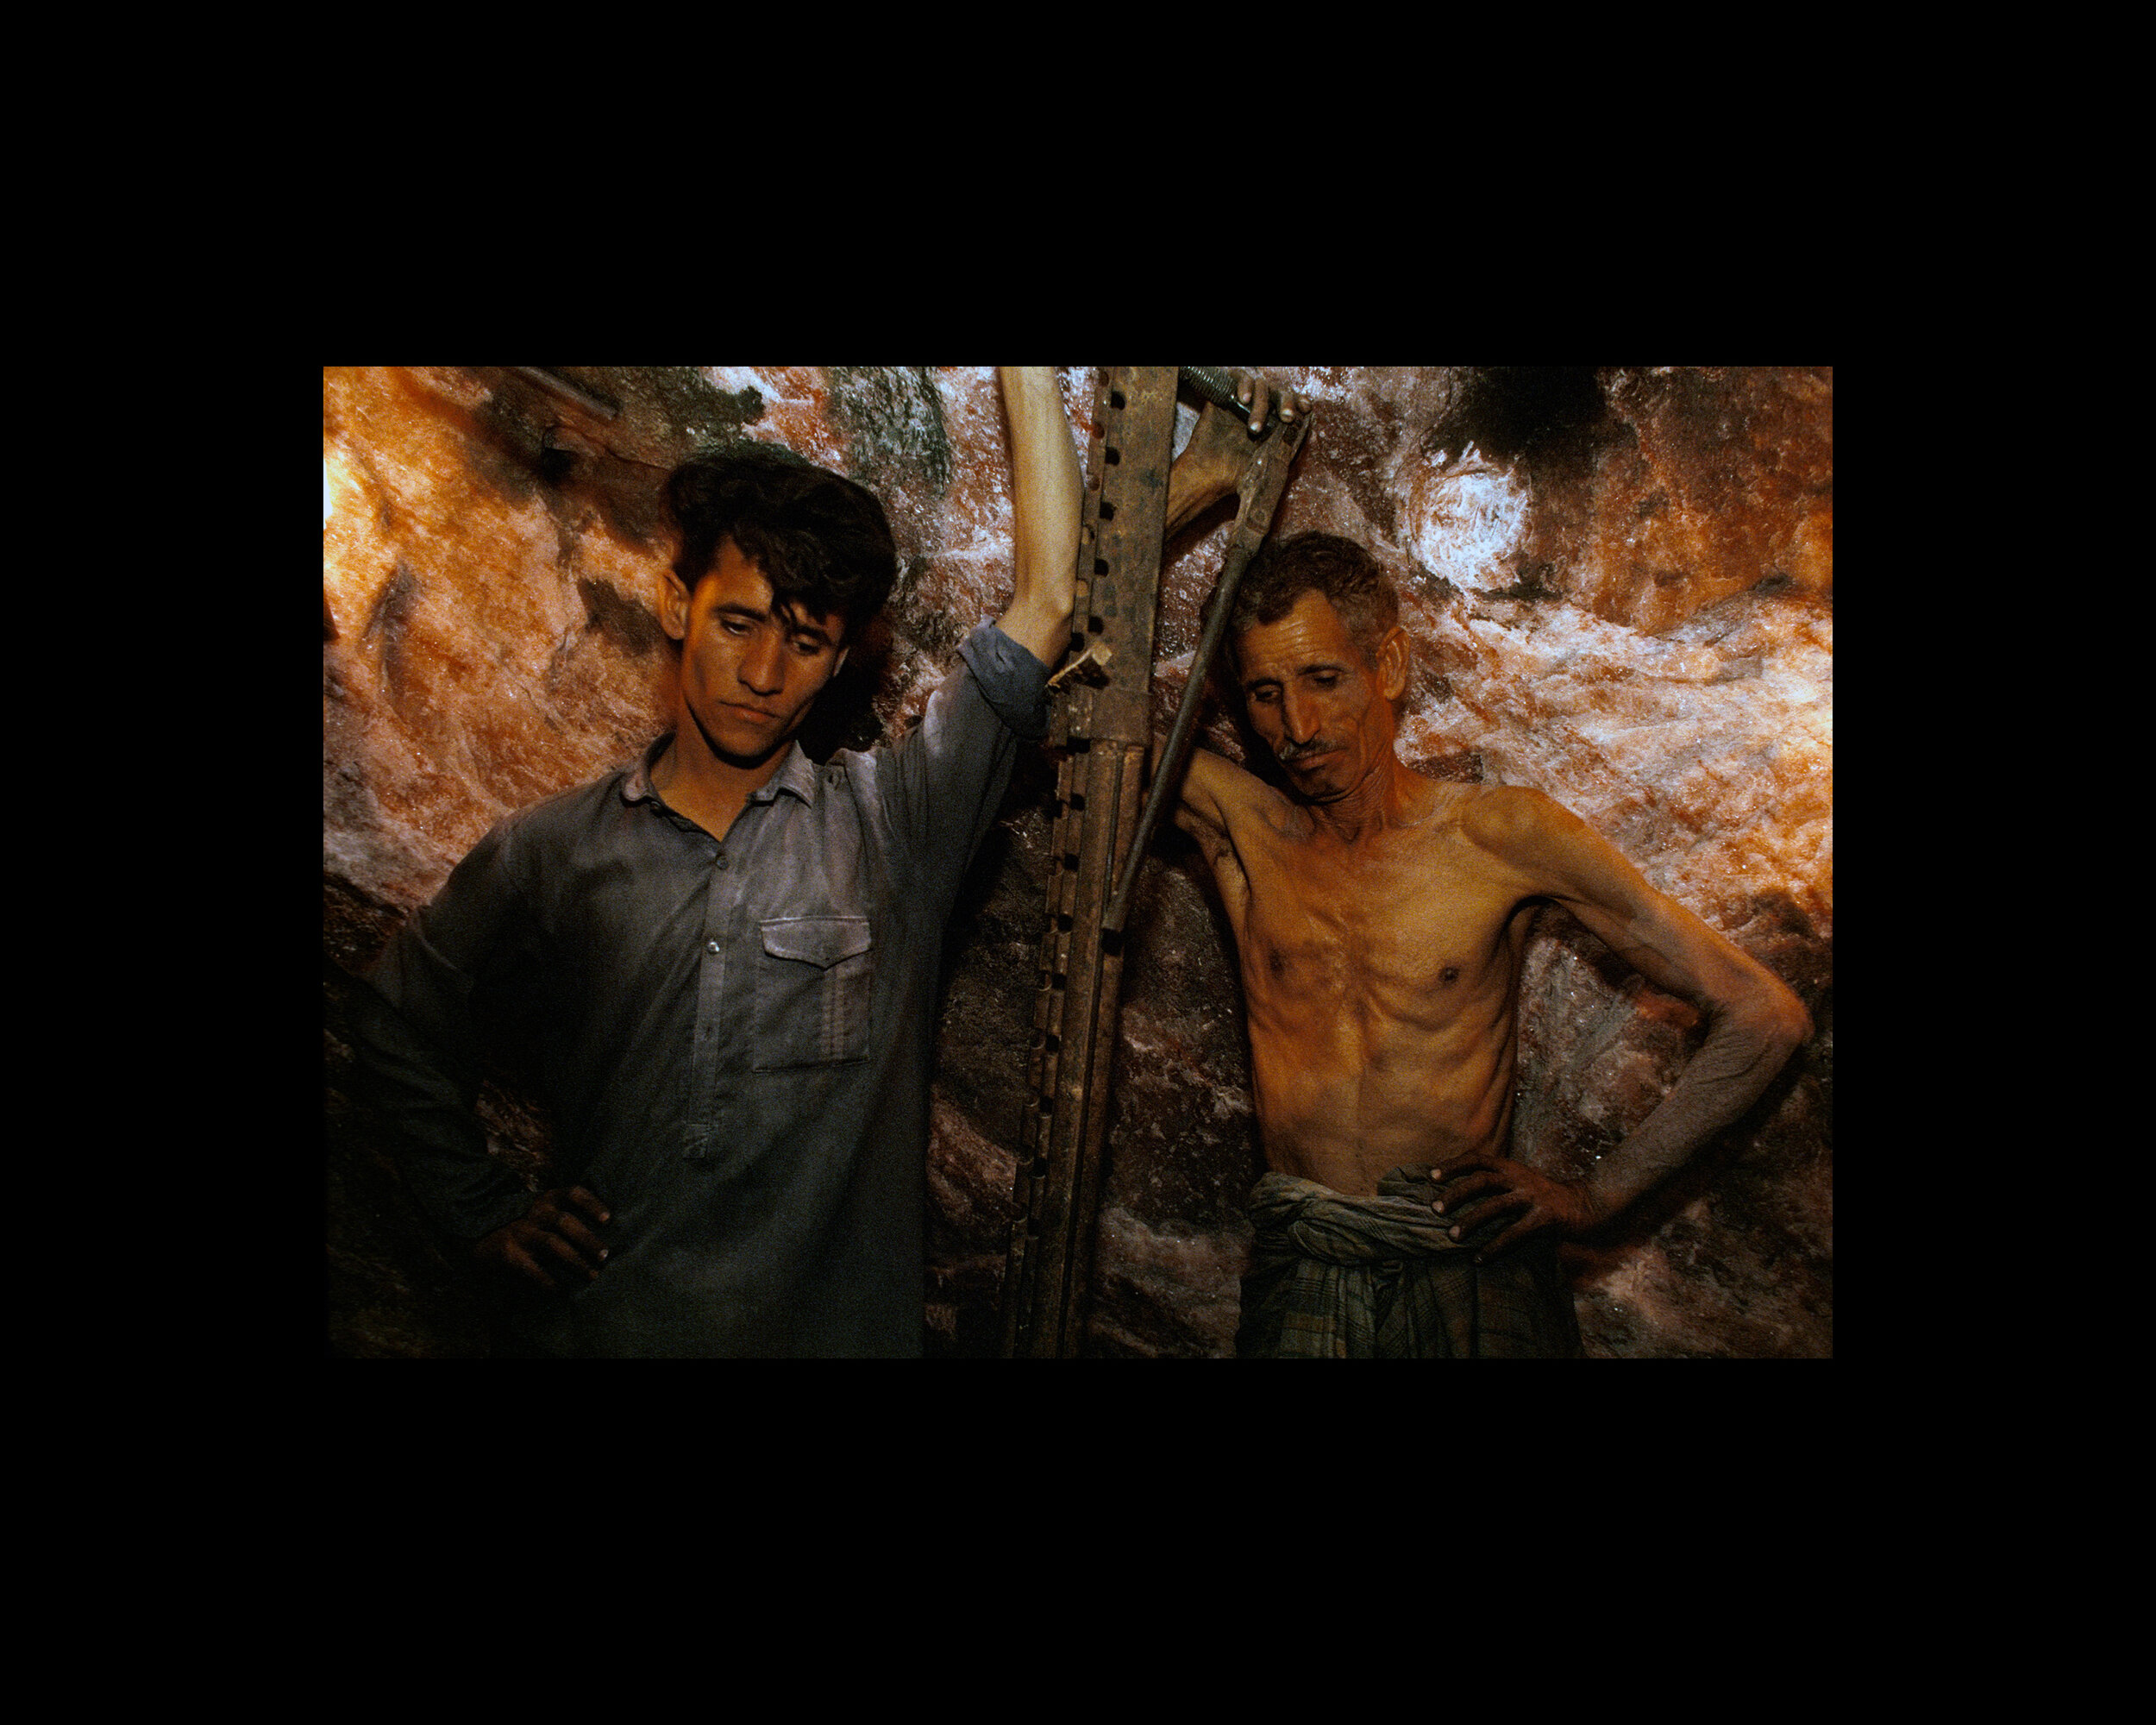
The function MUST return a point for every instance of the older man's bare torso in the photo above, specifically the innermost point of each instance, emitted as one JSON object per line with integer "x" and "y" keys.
{"x": 1381, "y": 974}
{"x": 1380, "y": 923}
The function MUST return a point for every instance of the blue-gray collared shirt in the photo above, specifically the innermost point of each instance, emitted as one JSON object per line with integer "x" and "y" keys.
{"x": 734, "y": 1036}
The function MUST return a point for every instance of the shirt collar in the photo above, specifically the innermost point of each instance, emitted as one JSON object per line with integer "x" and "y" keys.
{"x": 797, "y": 773}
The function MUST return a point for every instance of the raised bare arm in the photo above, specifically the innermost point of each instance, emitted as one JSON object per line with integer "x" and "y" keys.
{"x": 1216, "y": 795}
{"x": 1214, "y": 791}
{"x": 1046, "y": 496}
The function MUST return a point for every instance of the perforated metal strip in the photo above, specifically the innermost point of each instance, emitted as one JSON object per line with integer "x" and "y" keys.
{"x": 1101, "y": 723}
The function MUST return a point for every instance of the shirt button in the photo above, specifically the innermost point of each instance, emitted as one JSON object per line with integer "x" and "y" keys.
{"x": 712, "y": 945}
{"x": 721, "y": 859}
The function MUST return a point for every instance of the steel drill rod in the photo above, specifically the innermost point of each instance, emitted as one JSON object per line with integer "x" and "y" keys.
{"x": 1169, "y": 768}
{"x": 1215, "y": 384}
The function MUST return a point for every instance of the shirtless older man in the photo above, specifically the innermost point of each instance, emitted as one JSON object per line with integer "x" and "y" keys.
{"x": 1381, "y": 919}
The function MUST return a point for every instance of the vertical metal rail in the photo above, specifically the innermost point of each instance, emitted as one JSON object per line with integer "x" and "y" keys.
{"x": 1102, "y": 725}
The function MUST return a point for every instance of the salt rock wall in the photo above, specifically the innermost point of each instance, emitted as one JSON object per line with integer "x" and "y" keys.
{"x": 1619, "y": 582}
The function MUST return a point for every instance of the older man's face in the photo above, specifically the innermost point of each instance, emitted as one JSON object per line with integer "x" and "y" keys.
{"x": 1313, "y": 697}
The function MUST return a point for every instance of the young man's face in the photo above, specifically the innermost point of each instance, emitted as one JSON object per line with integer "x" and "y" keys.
{"x": 1324, "y": 710}
{"x": 748, "y": 674}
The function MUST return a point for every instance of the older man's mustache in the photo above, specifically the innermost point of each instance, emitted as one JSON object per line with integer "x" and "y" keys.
{"x": 1288, "y": 753}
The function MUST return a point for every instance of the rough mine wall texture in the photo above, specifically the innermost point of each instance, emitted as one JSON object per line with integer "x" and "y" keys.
{"x": 1620, "y": 586}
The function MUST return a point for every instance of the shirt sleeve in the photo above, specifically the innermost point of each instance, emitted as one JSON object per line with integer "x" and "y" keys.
{"x": 1011, "y": 679}
{"x": 422, "y": 1040}
{"x": 940, "y": 783}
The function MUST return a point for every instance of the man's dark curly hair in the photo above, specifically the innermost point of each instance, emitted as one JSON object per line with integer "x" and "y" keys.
{"x": 1352, "y": 580}
{"x": 823, "y": 542}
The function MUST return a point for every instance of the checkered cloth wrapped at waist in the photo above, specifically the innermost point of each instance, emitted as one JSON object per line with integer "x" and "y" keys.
{"x": 1340, "y": 1277}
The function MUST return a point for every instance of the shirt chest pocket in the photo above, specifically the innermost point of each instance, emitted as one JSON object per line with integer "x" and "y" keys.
{"x": 814, "y": 979}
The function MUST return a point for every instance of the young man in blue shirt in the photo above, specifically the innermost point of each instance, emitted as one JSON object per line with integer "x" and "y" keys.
{"x": 720, "y": 962}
